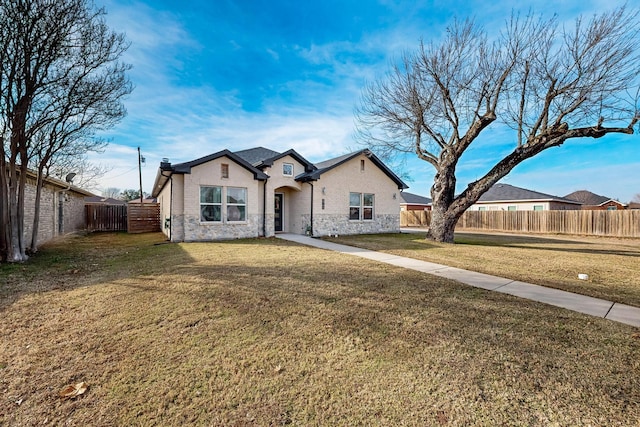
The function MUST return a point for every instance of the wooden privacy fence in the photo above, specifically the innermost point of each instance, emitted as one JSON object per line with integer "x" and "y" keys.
{"x": 106, "y": 217}
{"x": 143, "y": 217}
{"x": 620, "y": 223}
{"x": 133, "y": 217}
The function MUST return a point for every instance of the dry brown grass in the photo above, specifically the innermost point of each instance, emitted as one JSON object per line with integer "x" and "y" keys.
{"x": 265, "y": 332}
{"x": 613, "y": 265}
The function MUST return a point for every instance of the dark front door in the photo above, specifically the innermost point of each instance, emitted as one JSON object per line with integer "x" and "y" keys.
{"x": 277, "y": 212}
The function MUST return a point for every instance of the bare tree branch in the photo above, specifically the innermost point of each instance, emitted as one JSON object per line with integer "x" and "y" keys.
{"x": 548, "y": 82}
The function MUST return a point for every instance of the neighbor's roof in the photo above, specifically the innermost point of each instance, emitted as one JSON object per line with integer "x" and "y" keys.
{"x": 414, "y": 199}
{"x": 588, "y": 198}
{"x": 510, "y": 193}
{"x": 60, "y": 184}
{"x": 104, "y": 200}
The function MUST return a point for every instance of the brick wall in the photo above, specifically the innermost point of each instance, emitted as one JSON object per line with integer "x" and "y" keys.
{"x": 73, "y": 218}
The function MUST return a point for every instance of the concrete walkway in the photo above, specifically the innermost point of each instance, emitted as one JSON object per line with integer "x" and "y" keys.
{"x": 588, "y": 305}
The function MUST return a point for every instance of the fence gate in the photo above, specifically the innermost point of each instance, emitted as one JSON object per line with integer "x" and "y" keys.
{"x": 133, "y": 217}
{"x": 106, "y": 217}
{"x": 143, "y": 217}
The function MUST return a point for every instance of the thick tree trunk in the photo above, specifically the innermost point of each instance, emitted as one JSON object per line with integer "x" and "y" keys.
{"x": 4, "y": 208}
{"x": 33, "y": 247}
{"x": 14, "y": 228}
{"x": 443, "y": 217}
{"x": 442, "y": 226}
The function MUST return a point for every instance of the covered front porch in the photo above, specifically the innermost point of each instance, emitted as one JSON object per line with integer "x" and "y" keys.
{"x": 289, "y": 205}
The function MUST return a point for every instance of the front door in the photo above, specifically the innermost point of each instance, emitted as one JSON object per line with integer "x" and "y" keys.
{"x": 278, "y": 212}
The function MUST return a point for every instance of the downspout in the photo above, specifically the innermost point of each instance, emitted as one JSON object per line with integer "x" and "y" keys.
{"x": 171, "y": 207}
{"x": 264, "y": 208}
{"x": 311, "y": 219}
{"x": 170, "y": 176}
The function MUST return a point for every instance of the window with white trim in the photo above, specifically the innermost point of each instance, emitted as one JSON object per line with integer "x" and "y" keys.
{"x": 287, "y": 169}
{"x": 367, "y": 206}
{"x": 538, "y": 207}
{"x": 236, "y": 204}
{"x": 211, "y": 204}
{"x": 361, "y": 206}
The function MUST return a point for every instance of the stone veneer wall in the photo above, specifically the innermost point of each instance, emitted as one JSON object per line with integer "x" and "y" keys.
{"x": 270, "y": 232}
{"x": 324, "y": 225}
{"x": 177, "y": 228}
{"x": 194, "y": 230}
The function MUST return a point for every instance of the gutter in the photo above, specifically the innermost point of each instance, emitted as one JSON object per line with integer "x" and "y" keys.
{"x": 264, "y": 208}
{"x": 311, "y": 222}
{"x": 170, "y": 176}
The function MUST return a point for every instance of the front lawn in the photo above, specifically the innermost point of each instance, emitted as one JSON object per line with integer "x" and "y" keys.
{"x": 267, "y": 332}
{"x": 613, "y": 265}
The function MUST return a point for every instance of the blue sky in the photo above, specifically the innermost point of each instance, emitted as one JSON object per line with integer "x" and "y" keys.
{"x": 216, "y": 74}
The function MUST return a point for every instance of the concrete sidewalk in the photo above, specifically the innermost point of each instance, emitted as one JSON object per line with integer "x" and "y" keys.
{"x": 588, "y": 305}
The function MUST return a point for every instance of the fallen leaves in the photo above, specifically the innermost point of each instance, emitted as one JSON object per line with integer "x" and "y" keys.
{"x": 73, "y": 390}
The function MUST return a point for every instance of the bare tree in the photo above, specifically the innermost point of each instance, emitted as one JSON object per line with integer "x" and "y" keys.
{"x": 636, "y": 198}
{"x": 546, "y": 82}
{"x": 60, "y": 82}
{"x": 111, "y": 192}
{"x": 87, "y": 173}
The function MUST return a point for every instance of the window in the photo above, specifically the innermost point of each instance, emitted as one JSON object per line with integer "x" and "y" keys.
{"x": 538, "y": 207}
{"x": 512, "y": 208}
{"x": 236, "y": 204}
{"x": 482, "y": 208}
{"x": 367, "y": 206}
{"x": 361, "y": 206}
{"x": 287, "y": 169}
{"x": 224, "y": 170}
{"x": 612, "y": 208}
{"x": 354, "y": 206}
{"x": 362, "y": 165}
{"x": 210, "y": 204}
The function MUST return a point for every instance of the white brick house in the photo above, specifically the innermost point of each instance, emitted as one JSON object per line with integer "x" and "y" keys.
{"x": 260, "y": 192}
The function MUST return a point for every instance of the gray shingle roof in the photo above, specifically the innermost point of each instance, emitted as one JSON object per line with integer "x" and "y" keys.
{"x": 414, "y": 199}
{"x": 506, "y": 192}
{"x": 257, "y": 155}
{"x": 327, "y": 165}
{"x": 587, "y": 198}
{"x": 254, "y": 159}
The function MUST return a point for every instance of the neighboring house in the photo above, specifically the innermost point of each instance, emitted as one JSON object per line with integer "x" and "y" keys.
{"x": 99, "y": 200}
{"x": 61, "y": 208}
{"x": 510, "y": 198}
{"x": 145, "y": 200}
{"x": 414, "y": 202}
{"x": 260, "y": 192}
{"x": 592, "y": 201}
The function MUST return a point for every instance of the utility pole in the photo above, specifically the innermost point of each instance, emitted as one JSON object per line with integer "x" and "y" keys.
{"x": 140, "y": 173}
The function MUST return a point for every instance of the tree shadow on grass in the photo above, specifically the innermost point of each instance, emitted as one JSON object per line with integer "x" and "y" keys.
{"x": 340, "y": 326}
{"x": 73, "y": 261}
